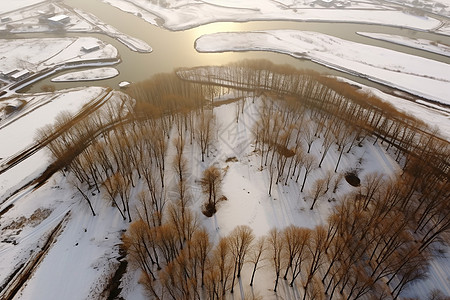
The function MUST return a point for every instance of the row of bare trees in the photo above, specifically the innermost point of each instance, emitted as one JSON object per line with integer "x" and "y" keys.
{"x": 377, "y": 240}
{"x": 125, "y": 142}
{"x": 367, "y": 247}
{"x": 285, "y": 128}
{"x": 330, "y": 98}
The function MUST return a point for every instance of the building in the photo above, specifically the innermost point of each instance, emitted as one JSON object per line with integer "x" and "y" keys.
{"x": 20, "y": 75}
{"x": 9, "y": 72}
{"x": 59, "y": 20}
{"x": 90, "y": 48}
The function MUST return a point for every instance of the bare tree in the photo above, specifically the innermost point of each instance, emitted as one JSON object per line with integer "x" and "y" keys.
{"x": 201, "y": 247}
{"x": 343, "y": 136}
{"x": 316, "y": 249}
{"x": 240, "y": 240}
{"x": 303, "y": 236}
{"x": 328, "y": 140}
{"x": 137, "y": 243}
{"x": 77, "y": 185}
{"x": 256, "y": 255}
{"x": 308, "y": 135}
{"x": 371, "y": 184}
{"x": 211, "y": 185}
{"x": 337, "y": 181}
{"x": 276, "y": 246}
{"x": 223, "y": 260}
{"x": 318, "y": 190}
{"x": 309, "y": 163}
{"x": 205, "y": 131}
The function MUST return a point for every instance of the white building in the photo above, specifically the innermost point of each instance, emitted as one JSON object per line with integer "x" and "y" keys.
{"x": 8, "y": 73}
{"x": 59, "y": 20}
{"x": 90, "y": 48}
{"x": 20, "y": 75}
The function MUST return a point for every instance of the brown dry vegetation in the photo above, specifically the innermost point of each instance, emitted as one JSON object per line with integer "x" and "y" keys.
{"x": 376, "y": 241}
{"x": 35, "y": 219}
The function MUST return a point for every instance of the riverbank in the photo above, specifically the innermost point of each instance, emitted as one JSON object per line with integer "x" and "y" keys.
{"x": 176, "y": 15}
{"x": 422, "y": 77}
{"x": 37, "y": 18}
{"x": 40, "y": 58}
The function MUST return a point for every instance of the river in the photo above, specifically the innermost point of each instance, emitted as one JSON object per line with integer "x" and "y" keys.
{"x": 173, "y": 49}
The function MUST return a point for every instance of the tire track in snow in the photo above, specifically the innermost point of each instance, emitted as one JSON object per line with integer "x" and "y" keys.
{"x": 13, "y": 286}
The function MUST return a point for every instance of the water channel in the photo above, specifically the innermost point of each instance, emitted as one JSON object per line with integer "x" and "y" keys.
{"x": 173, "y": 49}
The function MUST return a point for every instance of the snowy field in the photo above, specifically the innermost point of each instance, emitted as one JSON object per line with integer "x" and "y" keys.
{"x": 45, "y": 208}
{"x": 80, "y": 263}
{"x": 34, "y": 19}
{"x": 88, "y": 75}
{"x": 422, "y": 44}
{"x": 85, "y": 253}
{"x": 8, "y": 6}
{"x": 436, "y": 117}
{"x": 416, "y": 75}
{"x": 18, "y": 131}
{"x": 180, "y": 15}
{"x": 38, "y": 54}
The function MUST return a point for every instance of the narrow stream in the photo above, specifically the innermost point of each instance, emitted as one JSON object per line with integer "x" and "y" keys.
{"x": 173, "y": 49}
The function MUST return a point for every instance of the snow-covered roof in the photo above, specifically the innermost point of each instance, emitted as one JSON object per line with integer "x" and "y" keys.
{"x": 90, "y": 47}
{"x": 9, "y": 71}
{"x": 20, "y": 74}
{"x": 58, "y": 18}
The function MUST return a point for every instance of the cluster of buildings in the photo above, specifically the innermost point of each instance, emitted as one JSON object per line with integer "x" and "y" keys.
{"x": 46, "y": 18}
{"x": 15, "y": 74}
{"x": 55, "y": 20}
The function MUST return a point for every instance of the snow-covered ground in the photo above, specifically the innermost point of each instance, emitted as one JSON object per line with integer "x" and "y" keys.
{"x": 34, "y": 19}
{"x": 421, "y": 44}
{"x": 37, "y": 54}
{"x": 87, "y": 75}
{"x": 132, "y": 43}
{"x": 246, "y": 186}
{"x": 8, "y": 6}
{"x": 420, "y": 76}
{"x": 180, "y": 15}
{"x": 80, "y": 263}
{"x": 435, "y": 117}
{"x": 440, "y": 7}
{"x": 18, "y": 131}
{"x": 44, "y": 208}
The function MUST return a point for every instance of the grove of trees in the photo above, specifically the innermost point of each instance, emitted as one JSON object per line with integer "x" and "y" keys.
{"x": 376, "y": 241}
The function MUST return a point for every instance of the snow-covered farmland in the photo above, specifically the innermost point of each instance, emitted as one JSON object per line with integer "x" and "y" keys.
{"x": 423, "y": 77}
{"x": 421, "y": 44}
{"x": 180, "y": 15}
{"x": 38, "y": 18}
{"x": 18, "y": 131}
{"x": 18, "y": 4}
{"x": 37, "y": 54}
{"x": 88, "y": 75}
